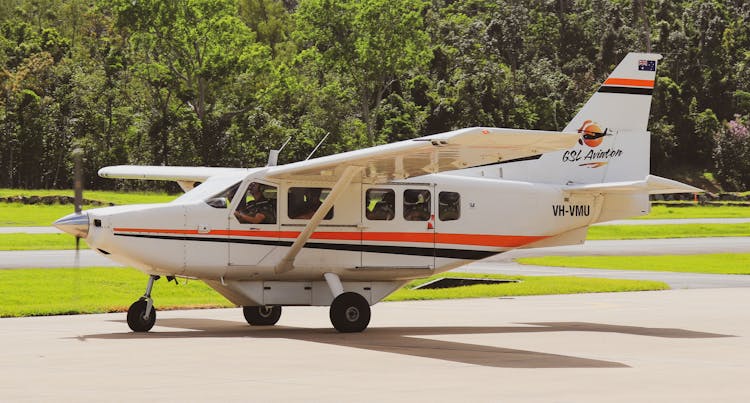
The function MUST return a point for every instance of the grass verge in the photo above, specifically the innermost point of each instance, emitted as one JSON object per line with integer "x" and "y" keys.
{"x": 671, "y": 212}
{"x": 24, "y": 215}
{"x": 719, "y": 263}
{"x": 535, "y": 285}
{"x": 39, "y": 242}
{"x": 37, "y": 292}
{"x": 104, "y": 196}
{"x": 609, "y": 232}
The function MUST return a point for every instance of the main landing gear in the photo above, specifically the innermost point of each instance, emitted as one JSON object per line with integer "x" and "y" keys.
{"x": 142, "y": 315}
{"x": 350, "y": 312}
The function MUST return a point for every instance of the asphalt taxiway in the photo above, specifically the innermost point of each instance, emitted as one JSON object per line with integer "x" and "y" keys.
{"x": 682, "y": 345}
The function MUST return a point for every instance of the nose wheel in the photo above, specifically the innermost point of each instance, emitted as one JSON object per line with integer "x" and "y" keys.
{"x": 141, "y": 314}
{"x": 263, "y": 315}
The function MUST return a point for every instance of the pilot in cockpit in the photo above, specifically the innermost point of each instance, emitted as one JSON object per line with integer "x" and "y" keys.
{"x": 259, "y": 210}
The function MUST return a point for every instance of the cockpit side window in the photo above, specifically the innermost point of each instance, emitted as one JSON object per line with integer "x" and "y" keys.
{"x": 258, "y": 205}
{"x": 222, "y": 199}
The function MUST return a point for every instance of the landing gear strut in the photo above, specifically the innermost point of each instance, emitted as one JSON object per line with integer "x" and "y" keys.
{"x": 263, "y": 315}
{"x": 142, "y": 315}
{"x": 350, "y": 312}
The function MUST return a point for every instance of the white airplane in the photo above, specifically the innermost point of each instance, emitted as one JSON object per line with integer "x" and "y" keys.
{"x": 347, "y": 230}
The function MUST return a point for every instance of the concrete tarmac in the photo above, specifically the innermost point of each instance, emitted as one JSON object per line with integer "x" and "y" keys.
{"x": 684, "y": 345}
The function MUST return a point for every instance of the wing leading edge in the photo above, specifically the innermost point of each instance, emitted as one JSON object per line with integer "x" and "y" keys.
{"x": 166, "y": 173}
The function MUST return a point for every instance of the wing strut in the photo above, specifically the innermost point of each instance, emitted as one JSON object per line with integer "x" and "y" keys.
{"x": 287, "y": 262}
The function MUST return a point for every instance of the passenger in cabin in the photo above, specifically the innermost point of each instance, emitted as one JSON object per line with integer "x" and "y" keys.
{"x": 449, "y": 206}
{"x": 384, "y": 209}
{"x": 259, "y": 210}
{"x": 311, "y": 203}
{"x": 417, "y": 205}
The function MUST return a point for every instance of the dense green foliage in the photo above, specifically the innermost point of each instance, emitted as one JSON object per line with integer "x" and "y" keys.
{"x": 220, "y": 82}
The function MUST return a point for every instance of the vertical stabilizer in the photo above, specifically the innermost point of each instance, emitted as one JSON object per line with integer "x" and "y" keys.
{"x": 614, "y": 144}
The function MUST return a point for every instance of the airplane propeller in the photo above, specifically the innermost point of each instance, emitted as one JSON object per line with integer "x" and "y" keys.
{"x": 77, "y": 191}
{"x": 76, "y": 224}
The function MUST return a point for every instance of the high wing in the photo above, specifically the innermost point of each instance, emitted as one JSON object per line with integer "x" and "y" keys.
{"x": 165, "y": 173}
{"x": 457, "y": 149}
{"x": 186, "y": 177}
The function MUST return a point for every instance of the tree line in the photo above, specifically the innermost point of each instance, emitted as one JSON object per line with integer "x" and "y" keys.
{"x": 220, "y": 82}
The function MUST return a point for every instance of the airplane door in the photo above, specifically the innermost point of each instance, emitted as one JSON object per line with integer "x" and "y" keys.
{"x": 206, "y": 225}
{"x": 253, "y": 225}
{"x": 398, "y": 226}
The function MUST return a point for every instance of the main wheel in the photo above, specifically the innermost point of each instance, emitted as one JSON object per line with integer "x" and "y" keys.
{"x": 350, "y": 313}
{"x": 137, "y": 314}
{"x": 263, "y": 315}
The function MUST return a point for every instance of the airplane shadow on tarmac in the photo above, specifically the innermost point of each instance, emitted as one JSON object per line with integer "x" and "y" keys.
{"x": 411, "y": 341}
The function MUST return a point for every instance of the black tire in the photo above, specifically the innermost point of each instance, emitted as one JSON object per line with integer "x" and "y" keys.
{"x": 136, "y": 312}
{"x": 263, "y": 315}
{"x": 350, "y": 313}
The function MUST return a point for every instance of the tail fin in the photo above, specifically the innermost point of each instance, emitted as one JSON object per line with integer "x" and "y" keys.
{"x": 614, "y": 144}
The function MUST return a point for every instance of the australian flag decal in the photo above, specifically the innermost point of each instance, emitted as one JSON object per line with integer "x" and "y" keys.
{"x": 647, "y": 65}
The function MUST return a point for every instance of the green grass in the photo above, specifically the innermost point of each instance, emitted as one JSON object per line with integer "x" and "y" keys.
{"x": 724, "y": 263}
{"x": 668, "y": 212}
{"x": 603, "y": 232}
{"x": 25, "y": 215}
{"x": 541, "y": 285}
{"x": 38, "y": 242}
{"x": 103, "y": 196}
{"x": 35, "y": 292}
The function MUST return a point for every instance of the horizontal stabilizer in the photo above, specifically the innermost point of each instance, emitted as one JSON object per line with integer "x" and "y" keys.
{"x": 652, "y": 184}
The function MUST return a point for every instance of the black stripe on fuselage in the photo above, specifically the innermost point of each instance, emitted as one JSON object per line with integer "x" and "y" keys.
{"x": 626, "y": 90}
{"x": 464, "y": 254}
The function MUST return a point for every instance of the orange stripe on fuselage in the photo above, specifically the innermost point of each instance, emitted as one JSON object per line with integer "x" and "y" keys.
{"x": 414, "y": 237}
{"x": 630, "y": 82}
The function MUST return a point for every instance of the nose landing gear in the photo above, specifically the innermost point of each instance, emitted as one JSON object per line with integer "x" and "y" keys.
{"x": 141, "y": 314}
{"x": 264, "y": 315}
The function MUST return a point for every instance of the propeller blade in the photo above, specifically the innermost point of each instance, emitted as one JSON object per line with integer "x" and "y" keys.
{"x": 77, "y": 180}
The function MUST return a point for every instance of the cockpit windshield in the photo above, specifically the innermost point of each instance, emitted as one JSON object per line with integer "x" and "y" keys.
{"x": 213, "y": 187}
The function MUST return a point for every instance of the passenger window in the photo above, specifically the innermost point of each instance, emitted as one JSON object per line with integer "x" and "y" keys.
{"x": 417, "y": 205}
{"x": 449, "y": 206}
{"x": 223, "y": 199}
{"x": 258, "y": 206}
{"x": 380, "y": 204}
{"x": 302, "y": 203}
